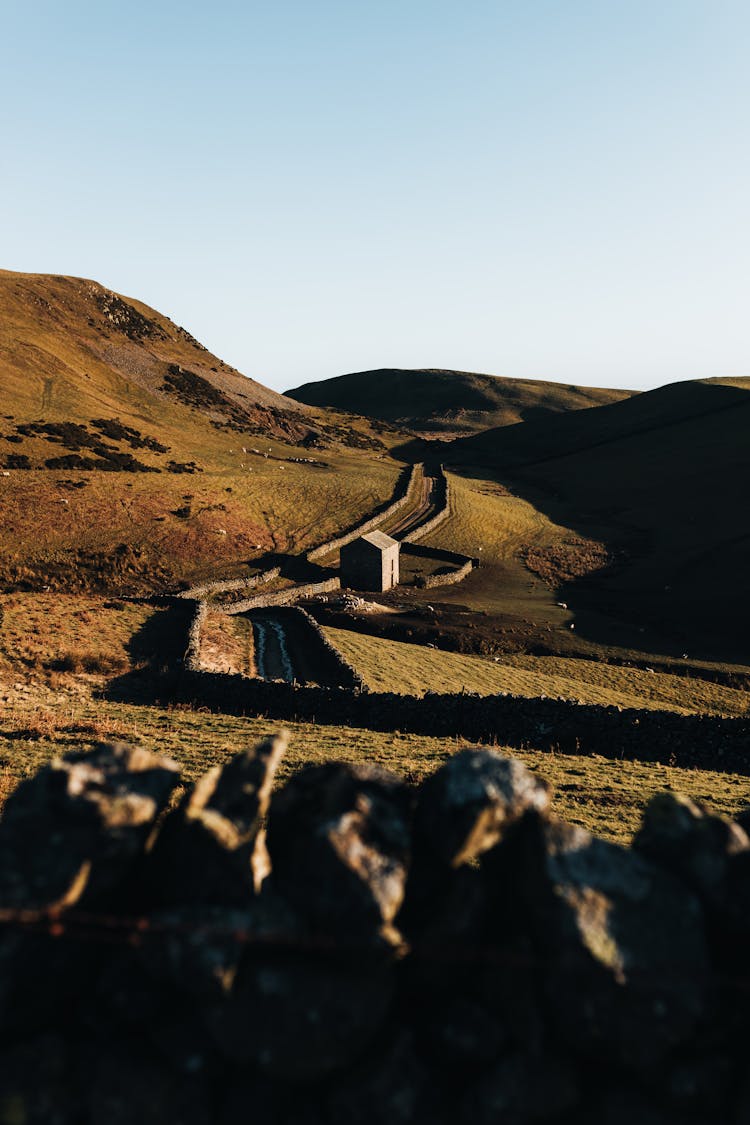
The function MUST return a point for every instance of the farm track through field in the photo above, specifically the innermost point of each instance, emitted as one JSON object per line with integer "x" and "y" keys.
{"x": 272, "y": 658}
{"x": 287, "y": 647}
{"x": 427, "y": 506}
{"x": 286, "y": 651}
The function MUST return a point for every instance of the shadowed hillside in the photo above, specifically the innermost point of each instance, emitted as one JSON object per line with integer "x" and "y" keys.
{"x": 662, "y": 480}
{"x": 449, "y": 401}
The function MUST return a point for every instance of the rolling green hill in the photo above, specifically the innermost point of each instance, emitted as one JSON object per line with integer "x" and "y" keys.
{"x": 71, "y": 349}
{"x": 448, "y": 401}
{"x": 661, "y": 479}
{"x": 133, "y": 458}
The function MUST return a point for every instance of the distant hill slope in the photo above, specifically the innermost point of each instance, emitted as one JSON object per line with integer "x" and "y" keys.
{"x": 662, "y": 479}
{"x": 71, "y": 349}
{"x": 448, "y": 401}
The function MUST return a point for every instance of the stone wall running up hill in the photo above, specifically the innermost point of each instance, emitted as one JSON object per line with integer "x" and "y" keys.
{"x": 442, "y": 500}
{"x": 404, "y": 494}
{"x": 435, "y": 956}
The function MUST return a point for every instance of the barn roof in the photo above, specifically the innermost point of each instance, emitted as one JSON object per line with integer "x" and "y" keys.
{"x": 379, "y": 539}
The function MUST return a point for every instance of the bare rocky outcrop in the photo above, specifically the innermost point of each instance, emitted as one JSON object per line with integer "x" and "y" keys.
{"x": 447, "y": 954}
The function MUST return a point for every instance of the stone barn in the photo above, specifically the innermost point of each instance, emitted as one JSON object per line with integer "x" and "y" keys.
{"x": 370, "y": 562}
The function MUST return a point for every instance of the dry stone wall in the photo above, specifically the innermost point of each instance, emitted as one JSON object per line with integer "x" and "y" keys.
{"x": 346, "y": 674}
{"x": 449, "y": 578}
{"x": 405, "y": 490}
{"x": 354, "y": 949}
{"x": 464, "y": 564}
{"x": 192, "y": 659}
{"x": 210, "y": 588}
{"x": 559, "y": 725}
{"x": 285, "y": 597}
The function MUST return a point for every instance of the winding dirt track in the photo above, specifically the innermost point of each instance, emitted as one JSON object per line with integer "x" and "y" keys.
{"x": 425, "y": 508}
{"x": 281, "y": 651}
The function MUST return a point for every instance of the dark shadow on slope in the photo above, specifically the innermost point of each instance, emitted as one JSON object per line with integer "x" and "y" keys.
{"x": 661, "y": 479}
{"x": 156, "y": 652}
{"x": 294, "y": 567}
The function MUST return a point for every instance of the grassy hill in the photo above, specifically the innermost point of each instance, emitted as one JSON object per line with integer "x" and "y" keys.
{"x": 659, "y": 481}
{"x": 448, "y": 401}
{"x": 132, "y": 458}
{"x": 71, "y": 349}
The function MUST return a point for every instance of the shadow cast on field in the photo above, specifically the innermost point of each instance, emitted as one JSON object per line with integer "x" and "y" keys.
{"x": 156, "y": 651}
{"x": 627, "y": 475}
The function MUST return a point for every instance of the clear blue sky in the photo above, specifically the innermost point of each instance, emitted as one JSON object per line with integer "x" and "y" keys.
{"x": 552, "y": 189}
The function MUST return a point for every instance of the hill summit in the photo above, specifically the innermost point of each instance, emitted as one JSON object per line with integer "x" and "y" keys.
{"x": 449, "y": 402}
{"x": 71, "y": 349}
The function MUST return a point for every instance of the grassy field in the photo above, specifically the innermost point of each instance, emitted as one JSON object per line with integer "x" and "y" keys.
{"x": 135, "y": 532}
{"x": 227, "y": 644}
{"x": 408, "y": 669}
{"x": 531, "y": 565}
{"x": 43, "y": 634}
{"x": 659, "y": 479}
{"x": 490, "y": 523}
{"x": 605, "y": 796}
{"x": 59, "y": 654}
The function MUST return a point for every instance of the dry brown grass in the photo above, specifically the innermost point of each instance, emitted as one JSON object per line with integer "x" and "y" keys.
{"x": 602, "y": 795}
{"x": 94, "y": 663}
{"x": 42, "y": 724}
{"x": 573, "y": 557}
{"x": 49, "y": 634}
{"x": 101, "y": 729}
{"x": 227, "y": 644}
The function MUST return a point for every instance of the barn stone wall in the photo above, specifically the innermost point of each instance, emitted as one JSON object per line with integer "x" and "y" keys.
{"x": 285, "y": 597}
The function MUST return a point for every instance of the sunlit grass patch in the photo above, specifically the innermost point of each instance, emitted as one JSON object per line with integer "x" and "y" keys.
{"x": 410, "y": 669}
